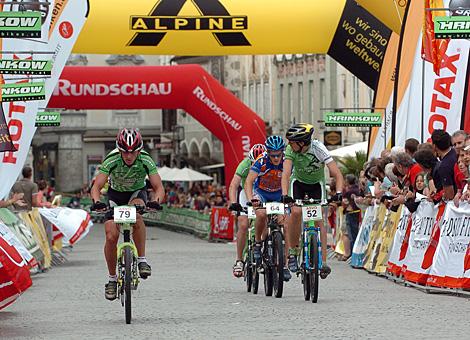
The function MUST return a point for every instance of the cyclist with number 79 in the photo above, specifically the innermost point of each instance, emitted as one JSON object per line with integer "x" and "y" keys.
{"x": 127, "y": 167}
{"x": 304, "y": 175}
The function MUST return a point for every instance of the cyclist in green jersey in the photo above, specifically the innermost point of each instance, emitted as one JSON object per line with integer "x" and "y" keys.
{"x": 238, "y": 201}
{"x": 126, "y": 168}
{"x": 304, "y": 175}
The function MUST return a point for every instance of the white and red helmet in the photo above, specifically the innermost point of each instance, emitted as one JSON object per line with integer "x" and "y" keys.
{"x": 129, "y": 140}
{"x": 256, "y": 151}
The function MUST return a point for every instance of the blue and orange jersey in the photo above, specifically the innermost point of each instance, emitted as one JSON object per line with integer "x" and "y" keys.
{"x": 269, "y": 175}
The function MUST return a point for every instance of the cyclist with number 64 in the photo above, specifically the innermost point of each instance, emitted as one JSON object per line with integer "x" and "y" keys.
{"x": 262, "y": 185}
{"x": 304, "y": 175}
{"x": 126, "y": 167}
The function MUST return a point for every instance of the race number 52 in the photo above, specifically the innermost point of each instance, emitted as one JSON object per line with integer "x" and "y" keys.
{"x": 312, "y": 213}
{"x": 125, "y": 214}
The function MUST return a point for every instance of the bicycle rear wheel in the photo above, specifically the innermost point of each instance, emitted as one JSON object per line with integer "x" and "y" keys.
{"x": 314, "y": 271}
{"x": 255, "y": 284}
{"x": 127, "y": 283}
{"x": 278, "y": 264}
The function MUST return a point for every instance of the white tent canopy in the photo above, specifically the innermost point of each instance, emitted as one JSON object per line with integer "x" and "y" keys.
{"x": 349, "y": 150}
{"x": 182, "y": 175}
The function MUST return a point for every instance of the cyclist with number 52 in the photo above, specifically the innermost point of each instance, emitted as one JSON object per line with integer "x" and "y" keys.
{"x": 126, "y": 167}
{"x": 262, "y": 185}
{"x": 304, "y": 175}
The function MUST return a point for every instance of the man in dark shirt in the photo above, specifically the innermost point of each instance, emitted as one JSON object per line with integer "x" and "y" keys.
{"x": 443, "y": 174}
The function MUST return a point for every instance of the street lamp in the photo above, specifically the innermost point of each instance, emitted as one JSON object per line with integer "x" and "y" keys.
{"x": 364, "y": 130}
{"x": 178, "y": 136}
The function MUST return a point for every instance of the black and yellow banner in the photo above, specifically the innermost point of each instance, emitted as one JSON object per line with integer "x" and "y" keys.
{"x": 360, "y": 43}
{"x": 209, "y": 27}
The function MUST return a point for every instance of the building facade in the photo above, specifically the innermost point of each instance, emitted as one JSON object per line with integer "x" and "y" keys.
{"x": 281, "y": 89}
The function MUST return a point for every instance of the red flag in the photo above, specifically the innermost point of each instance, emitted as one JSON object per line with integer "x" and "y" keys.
{"x": 5, "y": 140}
{"x": 433, "y": 49}
{"x": 435, "y": 236}
{"x": 466, "y": 265}
{"x": 406, "y": 239}
{"x": 14, "y": 274}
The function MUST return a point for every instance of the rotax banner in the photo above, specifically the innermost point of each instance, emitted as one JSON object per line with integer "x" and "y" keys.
{"x": 340, "y": 28}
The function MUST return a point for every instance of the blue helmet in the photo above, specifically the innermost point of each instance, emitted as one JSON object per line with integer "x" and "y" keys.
{"x": 275, "y": 143}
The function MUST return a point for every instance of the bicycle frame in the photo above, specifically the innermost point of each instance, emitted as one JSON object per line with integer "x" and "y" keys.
{"x": 311, "y": 229}
{"x": 126, "y": 230}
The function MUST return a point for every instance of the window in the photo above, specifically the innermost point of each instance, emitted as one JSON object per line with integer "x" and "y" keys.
{"x": 266, "y": 100}
{"x": 290, "y": 101}
{"x": 310, "y": 98}
{"x": 252, "y": 97}
{"x": 281, "y": 104}
{"x": 301, "y": 101}
{"x": 355, "y": 92}
{"x": 258, "y": 100}
{"x": 244, "y": 94}
{"x": 322, "y": 94}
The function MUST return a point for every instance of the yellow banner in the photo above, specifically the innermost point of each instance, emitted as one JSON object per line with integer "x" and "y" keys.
{"x": 203, "y": 27}
{"x": 390, "y": 12}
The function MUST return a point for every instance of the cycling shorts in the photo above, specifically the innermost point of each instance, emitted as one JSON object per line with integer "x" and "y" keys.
{"x": 265, "y": 196}
{"x": 298, "y": 190}
{"x": 242, "y": 200}
{"x": 118, "y": 198}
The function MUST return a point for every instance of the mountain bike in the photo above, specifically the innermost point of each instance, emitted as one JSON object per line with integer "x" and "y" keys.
{"x": 127, "y": 268}
{"x": 273, "y": 250}
{"x": 310, "y": 258}
{"x": 250, "y": 274}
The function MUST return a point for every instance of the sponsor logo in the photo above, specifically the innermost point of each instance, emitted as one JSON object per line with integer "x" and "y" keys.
{"x": 41, "y": 67}
{"x": 23, "y": 92}
{"x": 443, "y": 93}
{"x": 199, "y": 93}
{"x": 66, "y": 29}
{"x": 152, "y": 28}
{"x": 47, "y": 119}
{"x": 66, "y": 88}
{"x": 20, "y": 24}
{"x": 353, "y": 119}
{"x": 455, "y": 27}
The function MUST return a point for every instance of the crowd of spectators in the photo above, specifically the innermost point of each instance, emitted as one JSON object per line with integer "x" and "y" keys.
{"x": 435, "y": 171}
{"x": 200, "y": 197}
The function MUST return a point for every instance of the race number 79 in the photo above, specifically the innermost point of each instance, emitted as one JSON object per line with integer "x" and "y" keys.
{"x": 125, "y": 214}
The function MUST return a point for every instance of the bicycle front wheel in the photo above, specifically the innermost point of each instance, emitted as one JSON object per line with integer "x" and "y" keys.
{"x": 127, "y": 283}
{"x": 314, "y": 270}
{"x": 278, "y": 264}
{"x": 248, "y": 268}
{"x": 305, "y": 275}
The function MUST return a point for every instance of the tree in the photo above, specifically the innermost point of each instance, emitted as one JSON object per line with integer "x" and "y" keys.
{"x": 352, "y": 164}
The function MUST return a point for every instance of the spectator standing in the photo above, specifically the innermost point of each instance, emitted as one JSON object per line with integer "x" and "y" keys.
{"x": 441, "y": 142}
{"x": 458, "y": 140}
{"x": 411, "y": 146}
{"x": 28, "y": 188}
{"x": 42, "y": 195}
{"x": 352, "y": 212}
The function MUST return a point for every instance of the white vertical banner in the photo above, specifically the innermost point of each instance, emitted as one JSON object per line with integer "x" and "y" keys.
{"x": 362, "y": 239}
{"x": 395, "y": 261}
{"x": 423, "y": 223}
{"x": 434, "y": 101}
{"x": 66, "y": 18}
{"x": 448, "y": 266}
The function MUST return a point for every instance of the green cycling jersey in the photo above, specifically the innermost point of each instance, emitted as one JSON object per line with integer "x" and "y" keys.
{"x": 127, "y": 178}
{"x": 309, "y": 166}
{"x": 243, "y": 169}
